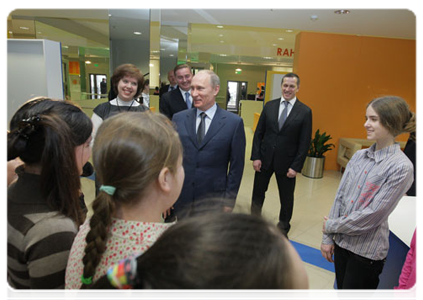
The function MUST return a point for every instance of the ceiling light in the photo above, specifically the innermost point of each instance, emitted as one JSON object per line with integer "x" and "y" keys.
{"x": 219, "y": 26}
{"x": 24, "y": 28}
{"x": 289, "y": 30}
{"x": 88, "y": 62}
{"x": 222, "y": 42}
{"x": 280, "y": 39}
{"x": 223, "y": 54}
{"x": 220, "y": 35}
{"x": 110, "y": 15}
{"x": 274, "y": 45}
{"x": 342, "y": 11}
{"x": 137, "y": 33}
{"x": 267, "y": 57}
{"x": 151, "y": 65}
{"x": 314, "y": 18}
{"x": 171, "y": 55}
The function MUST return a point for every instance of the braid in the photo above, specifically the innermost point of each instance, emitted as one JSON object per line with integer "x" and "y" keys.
{"x": 103, "y": 208}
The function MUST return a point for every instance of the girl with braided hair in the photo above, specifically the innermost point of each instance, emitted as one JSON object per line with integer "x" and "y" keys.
{"x": 52, "y": 138}
{"x": 138, "y": 162}
{"x": 216, "y": 256}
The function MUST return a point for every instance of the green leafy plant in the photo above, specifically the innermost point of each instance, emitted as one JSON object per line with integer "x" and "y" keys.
{"x": 319, "y": 145}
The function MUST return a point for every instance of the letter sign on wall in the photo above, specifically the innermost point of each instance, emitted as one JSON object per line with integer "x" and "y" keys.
{"x": 285, "y": 52}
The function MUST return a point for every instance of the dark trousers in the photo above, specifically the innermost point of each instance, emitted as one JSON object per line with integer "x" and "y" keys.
{"x": 356, "y": 272}
{"x": 286, "y": 188}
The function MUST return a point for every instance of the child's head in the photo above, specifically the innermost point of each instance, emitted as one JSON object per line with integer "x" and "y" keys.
{"x": 133, "y": 153}
{"x": 130, "y": 151}
{"x": 394, "y": 114}
{"x": 53, "y": 136}
{"x": 218, "y": 251}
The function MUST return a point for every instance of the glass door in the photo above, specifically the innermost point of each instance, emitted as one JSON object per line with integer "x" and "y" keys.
{"x": 237, "y": 90}
{"x": 95, "y": 85}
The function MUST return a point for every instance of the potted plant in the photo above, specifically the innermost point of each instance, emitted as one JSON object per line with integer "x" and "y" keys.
{"x": 315, "y": 161}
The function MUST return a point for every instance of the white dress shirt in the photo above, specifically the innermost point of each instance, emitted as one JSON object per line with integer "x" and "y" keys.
{"x": 208, "y": 119}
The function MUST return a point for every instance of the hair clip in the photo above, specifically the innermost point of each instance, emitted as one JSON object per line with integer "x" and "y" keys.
{"x": 108, "y": 189}
{"x": 86, "y": 281}
{"x": 124, "y": 274}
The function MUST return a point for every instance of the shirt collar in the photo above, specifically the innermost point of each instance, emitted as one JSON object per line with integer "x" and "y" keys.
{"x": 383, "y": 153}
{"x": 292, "y": 101}
{"x": 183, "y": 92}
{"x": 210, "y": 112}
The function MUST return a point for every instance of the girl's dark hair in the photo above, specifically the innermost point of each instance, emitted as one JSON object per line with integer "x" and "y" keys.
{"x": 216, "y": 251}
{"x": 45, "y": 132}
{"x": 130, "y": 150}
{"x": 394, "y": 114}
{"x": 131, "y": 71}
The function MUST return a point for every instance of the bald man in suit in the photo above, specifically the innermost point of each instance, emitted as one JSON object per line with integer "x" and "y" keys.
{"x": 280, "y": 145}
{"x": 214, "y": 151}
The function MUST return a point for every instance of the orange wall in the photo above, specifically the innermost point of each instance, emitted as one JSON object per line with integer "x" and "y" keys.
{"x": 340, "y": 74}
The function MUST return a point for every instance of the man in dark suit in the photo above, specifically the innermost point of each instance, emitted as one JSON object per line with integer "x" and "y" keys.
{"x": 280, "y": 145}
{"x": 172, "y": 83}
{"x": 180, "y": 98}
{"x": 214, "y": 151}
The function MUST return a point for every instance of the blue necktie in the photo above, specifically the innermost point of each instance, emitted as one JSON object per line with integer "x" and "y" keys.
{"x": 283, "y": 115}
{"x": 187, "y": 95}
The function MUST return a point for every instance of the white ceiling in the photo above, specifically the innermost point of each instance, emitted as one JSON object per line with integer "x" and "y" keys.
{"x": 393, "y": 23}
{"x": 93, "y": 26}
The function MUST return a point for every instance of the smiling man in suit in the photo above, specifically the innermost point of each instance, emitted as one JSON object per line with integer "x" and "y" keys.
{"x": 214, "y": 151}
{"x": 180, "y": 98}
{"x": 280, "y": 145}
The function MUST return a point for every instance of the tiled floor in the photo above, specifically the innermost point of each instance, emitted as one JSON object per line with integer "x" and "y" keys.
{"x": 313, "y": 199}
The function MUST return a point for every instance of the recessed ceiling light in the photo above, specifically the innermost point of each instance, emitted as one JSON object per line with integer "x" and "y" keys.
{"x": 110, "y": 15}
{"x": 220, "y": 35}
{"x": 137, "y": 33}
{"x": 274, "y": 45}
{"x": 342, "y": 11}
{"x": 219, "y": 26}
{"x": 314, "y": 18}
{"x": 289, "y": 30}
{"x": 280, "y": 39}
{"x": 223, "y": 54}
{"x": 88, "y": 62}
{"x": 171, "y": 55}
{"x": 24, "y": 28}
{"x": 267, "y": 57}
{"x": 222, "y": 42}
{"x": 151, "y": 65}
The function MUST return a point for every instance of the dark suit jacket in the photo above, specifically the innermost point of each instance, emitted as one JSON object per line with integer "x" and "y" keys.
{"x": 172, "y": 102}
{"x": 285, "y": 148}
{"x": 164, "y": 89}
{"x": 213, "y": 168}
